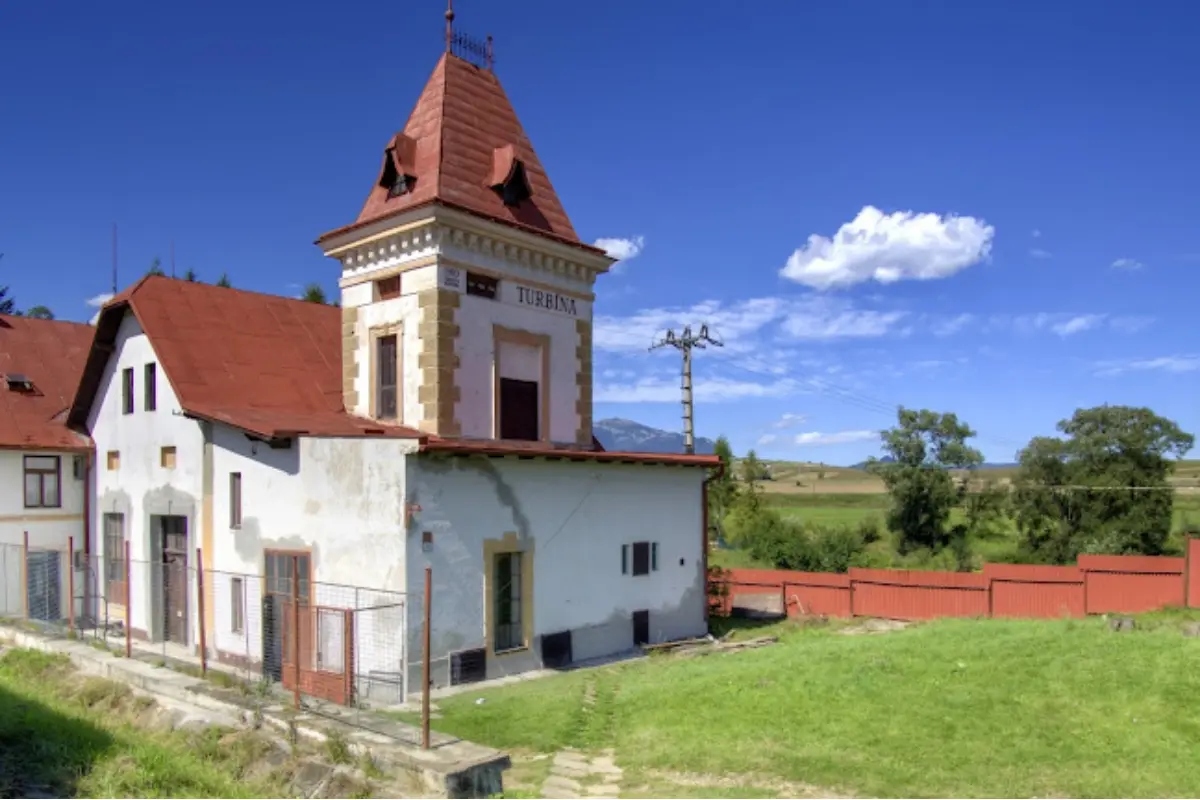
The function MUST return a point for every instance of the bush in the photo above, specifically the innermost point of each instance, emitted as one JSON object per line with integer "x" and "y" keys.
{"x": 792, "y": 545}
{"x": 870, "y": 529}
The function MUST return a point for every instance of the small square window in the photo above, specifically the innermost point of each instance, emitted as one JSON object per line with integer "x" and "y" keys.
{"x": 387, "y": 288}
{"x": 166, "y": 458}
{"x": 113, "y": 460}
{"x": 482, "y": 285}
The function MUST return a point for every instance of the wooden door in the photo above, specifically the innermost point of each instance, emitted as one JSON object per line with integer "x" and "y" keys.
{"x": 174, "y": 578}
{"x": 279, "y": 617}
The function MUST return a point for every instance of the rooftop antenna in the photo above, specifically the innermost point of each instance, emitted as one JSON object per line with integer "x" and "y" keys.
{"x": 476, "y": 51}
{"x": 449, "y": 25}
{"x": 114, "y": 260}
{"x": 685, "y": 342}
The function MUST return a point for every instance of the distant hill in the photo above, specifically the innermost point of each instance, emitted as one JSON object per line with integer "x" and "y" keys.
{"x": 988, "y": 465}
{"x": 634, "y": 437}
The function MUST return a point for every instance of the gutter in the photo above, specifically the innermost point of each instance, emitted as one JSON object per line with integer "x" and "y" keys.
{"x": 716, "y": 473}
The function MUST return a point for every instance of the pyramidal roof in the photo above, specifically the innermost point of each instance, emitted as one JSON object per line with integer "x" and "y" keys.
{"x": 464, "y": 147}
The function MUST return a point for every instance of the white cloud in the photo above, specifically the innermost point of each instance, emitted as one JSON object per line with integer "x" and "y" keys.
{"x": 1127, "y": 264}
{"x": 96, "y": 302}
{"x": 826, "y": 318}
{"x": 622, "y": 249}
{"x": 887, "y": 248}
{"x": 1038, "y": 252}
{"x": 953, "y": 325}
{"x": 818, "y": 439}
{"x": 1062, "y": 324}
{"x": 767, "y": 438}
{"x": 1077, "y": 324}
{"x": 1130, "y": 324}
{"x": 705, "y": 390}
{"x": 789, "y": 420}
{"x": 1036, "y": 234}
{"x": 1173, "y": 364}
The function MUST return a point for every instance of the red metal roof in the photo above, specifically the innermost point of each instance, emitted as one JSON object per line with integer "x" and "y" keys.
{"x": 51, "y": 354}
{"x": 463, "y": 126}
{"x": 265, "y": 364}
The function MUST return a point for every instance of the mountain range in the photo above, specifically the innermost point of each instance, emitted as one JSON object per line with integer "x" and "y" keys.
{"x": 625, "y": 435}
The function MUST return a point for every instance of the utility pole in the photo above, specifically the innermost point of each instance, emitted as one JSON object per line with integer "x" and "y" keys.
{"x": 685, "y": 342}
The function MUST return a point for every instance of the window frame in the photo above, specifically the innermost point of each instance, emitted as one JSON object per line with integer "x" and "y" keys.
{"x": 639, "y": 558}
{"x": 40, "y": 473}
{"x": 508, "y": 629}
{"x": 150, "y": 387}
{"x": 392, "y": 363}
{"x": 237, "y": 605}
{"x": 388, "y": 288}
{"x": 114, "y": 585}
{"x": 235, "y": 500}
{"x": 127, "y": 388}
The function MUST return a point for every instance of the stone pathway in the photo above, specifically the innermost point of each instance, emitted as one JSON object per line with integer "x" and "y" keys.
{"x": 576, "y": 774}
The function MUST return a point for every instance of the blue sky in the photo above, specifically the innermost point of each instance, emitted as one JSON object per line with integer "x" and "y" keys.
{"x": 987, "y": 208}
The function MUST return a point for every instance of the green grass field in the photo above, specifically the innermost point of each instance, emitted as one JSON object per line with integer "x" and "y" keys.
{"x": 848, "y": 508}
{"x": 956, "y": 708}
{"x": 62, "y": 735}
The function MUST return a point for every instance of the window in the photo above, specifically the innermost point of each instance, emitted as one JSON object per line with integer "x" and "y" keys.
{"x": 150, "y": 388}
{"x": 387, "y": 288}
{"x": 509, "y": 631}
{"x": 18, "y": 382}
{"x": 127, "y": 390}
{"x": 519, "y": 410}
{"x": 42, "y": 474}
{"x": 235, "y": 499}
{"x": 386, "y": 405}
{"x": 645, "y": 558}
{"x": 237, "y": 605}
{"x": 482, "y": 285}
{"x": 114, "y": 557}
{"x": 166, "y": 457}
{"x": 113, "y": 460}
{"x": 79, "y": 467}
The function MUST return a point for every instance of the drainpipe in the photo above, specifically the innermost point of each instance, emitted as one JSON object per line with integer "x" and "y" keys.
{"x": 87, "y": 539}
{"x": 716, "y": 473}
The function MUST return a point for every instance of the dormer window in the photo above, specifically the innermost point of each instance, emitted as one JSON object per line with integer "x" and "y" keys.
{"x": 397, "y": 173}
{"x": 508, "y": 177}
{"x": 16, "y": 382}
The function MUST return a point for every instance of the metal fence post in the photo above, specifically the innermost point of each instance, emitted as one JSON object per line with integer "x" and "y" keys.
{"x": 296, "y": 630}
{"x": 71, "y": 586}
{"x": 200, "y": 609}
{"x": 425, "y": 661}
{"x": 128, "y": 604}
{"x": 25, "y": 572}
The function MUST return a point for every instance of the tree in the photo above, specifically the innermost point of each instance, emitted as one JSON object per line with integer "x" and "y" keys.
{"x": 223, "y": 281}
{"x": 7, "y": 304}
{"x": 723, "y": 489}
{"x": 1101, "y": 488}
{"x": 190, "y": 276}
{"x": 155, "y": 267}
{"x": 39, "y": 312}
{"x": 924, "y": 446}
{"x": 313, "y": 293}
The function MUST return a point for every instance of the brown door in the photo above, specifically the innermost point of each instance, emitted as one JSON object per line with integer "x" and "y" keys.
{"x": 279, "y": 618}
{"x": 175, "y": 578}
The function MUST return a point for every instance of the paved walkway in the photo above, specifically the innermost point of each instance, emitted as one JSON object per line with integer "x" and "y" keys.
{"x": 576, "y": 774}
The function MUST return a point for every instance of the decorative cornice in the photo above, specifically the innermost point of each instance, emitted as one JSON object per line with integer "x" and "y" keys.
{"x": 435, "y": 235}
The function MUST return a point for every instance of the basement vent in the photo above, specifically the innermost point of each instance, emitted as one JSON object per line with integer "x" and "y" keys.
{"x": 468, "y": 666}
{"x": 641, "y": 628}
{"x": 556, "y": 650}
{"x": 17, "y": 382}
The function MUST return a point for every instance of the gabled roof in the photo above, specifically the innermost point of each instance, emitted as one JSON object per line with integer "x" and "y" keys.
{"x": 461, "y": 139}
{"x": 271, "y": 366}
{"x": 51, "y": 355}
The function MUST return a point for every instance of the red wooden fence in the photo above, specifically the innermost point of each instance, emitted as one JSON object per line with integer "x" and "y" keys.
{"x": 1096, "y": 585}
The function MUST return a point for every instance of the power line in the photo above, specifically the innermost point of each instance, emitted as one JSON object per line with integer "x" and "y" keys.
{"x": 685, "y": 342}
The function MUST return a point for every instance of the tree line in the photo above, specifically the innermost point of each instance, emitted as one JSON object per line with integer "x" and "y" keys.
{"x": 1101, "y": 486}
{"x": 313, "y": 293}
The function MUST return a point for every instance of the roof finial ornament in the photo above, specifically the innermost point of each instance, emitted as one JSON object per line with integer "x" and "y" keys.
{"x": 449, "y": 24}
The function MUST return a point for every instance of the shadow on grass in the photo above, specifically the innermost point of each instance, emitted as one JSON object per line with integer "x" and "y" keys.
{"x": 44, "y": 753}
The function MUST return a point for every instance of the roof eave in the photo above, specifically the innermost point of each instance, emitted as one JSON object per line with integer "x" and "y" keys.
{"x": 434, "y": 445}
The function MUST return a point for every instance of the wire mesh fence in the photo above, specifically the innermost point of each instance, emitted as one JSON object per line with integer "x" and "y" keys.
{"x": 336, "y": 649}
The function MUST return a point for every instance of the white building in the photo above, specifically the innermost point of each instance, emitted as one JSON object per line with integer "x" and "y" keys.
{"x": 43, "y": 464}
{"x": 440, "y": 418}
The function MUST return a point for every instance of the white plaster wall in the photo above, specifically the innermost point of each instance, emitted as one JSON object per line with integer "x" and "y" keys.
{"x": 476, "y": 372}
{"x": 139, "y": 437}
{"x": 48, "y": 528}
{"x": 342, "y": 500}
{"x": 577, "y": 515}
